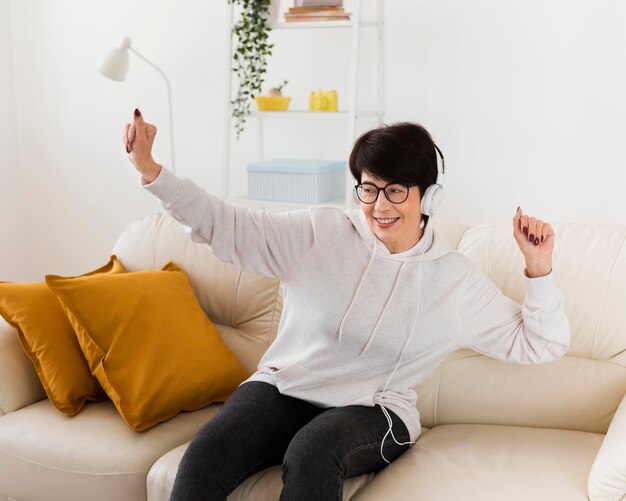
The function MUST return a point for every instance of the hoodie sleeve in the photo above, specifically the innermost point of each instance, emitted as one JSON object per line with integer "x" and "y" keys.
{"x": 258, "y": 241}
{"x": 495, "y": 325}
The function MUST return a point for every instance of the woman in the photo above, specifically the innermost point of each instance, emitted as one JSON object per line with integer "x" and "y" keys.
{"x": 374, "y": 300}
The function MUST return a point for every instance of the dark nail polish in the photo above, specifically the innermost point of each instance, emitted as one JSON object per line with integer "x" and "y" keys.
{"x": 531, "y": 237}
{"x": 542, "y": 238}
{"x": 525, "y": 230}
{"x": 137, "y": 113}
{"x": 536, "y": 241}
{"x": 127, "y": 149}
{"x": 517, "y": 208}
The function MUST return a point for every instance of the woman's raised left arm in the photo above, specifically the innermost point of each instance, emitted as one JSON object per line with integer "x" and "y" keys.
{"x": 493, "y": 324}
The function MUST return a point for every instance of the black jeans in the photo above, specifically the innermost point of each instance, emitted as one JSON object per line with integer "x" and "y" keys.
{"x": 257, "y": 427}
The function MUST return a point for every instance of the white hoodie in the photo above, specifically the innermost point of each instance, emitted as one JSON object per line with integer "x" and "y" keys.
{"x": 350, "y": 305}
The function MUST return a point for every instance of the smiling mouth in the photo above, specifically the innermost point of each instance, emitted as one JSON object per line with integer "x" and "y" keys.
{"x": 385, "y": 222}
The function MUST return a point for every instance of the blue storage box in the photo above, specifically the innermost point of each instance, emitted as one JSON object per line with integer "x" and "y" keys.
{"x": 297, "y": 180}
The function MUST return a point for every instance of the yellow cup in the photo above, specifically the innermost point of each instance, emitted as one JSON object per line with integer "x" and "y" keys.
{"x": 323, "y": 100}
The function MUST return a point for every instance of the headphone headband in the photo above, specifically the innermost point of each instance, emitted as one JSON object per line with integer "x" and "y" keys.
{"x": 440, "y": 174}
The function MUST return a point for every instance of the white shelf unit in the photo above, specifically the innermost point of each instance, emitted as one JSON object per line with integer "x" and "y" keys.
{"x": 350, "y": 116}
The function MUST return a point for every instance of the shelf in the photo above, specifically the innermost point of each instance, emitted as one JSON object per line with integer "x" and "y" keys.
{"x": 351, "y": 116}
{"x": 316, "y": 115}
{"x": 300, "y": 25}
{"x": 274, "y": 206}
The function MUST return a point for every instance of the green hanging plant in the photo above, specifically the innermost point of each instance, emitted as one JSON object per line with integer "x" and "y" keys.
{"x": 250, "y": 56}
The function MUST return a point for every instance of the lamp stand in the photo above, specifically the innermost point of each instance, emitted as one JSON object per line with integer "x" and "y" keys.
{"x": 169, "y": 100}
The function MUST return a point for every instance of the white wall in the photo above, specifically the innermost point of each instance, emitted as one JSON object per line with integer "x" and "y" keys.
{"x": 80, "y": 190}
{"x": 12, "y": 233}
{"x": 526, "y": 100}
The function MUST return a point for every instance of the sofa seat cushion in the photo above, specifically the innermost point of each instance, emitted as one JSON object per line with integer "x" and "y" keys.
{"x": 93, "y": 455}
{"x": 490, "y": 463}
{"x": 263, "y": 486}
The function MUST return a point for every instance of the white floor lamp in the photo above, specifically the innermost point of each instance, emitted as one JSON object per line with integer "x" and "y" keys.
{"x": 114, "y": 65}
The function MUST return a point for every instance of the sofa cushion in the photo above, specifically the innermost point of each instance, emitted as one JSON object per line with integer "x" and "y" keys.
{"x": 582, "y": 390}
{"x": 19, "y": 384}
{"x": 490, "y": 463}
{"x": 149, "y": 343}
{"x": 49, "y": 340}
{"x": 245, "y": 306}
{"x": 263, "y": 486}
{"x": 576, "y": 393}
{"x": 93, "y": 455}
{"x": 450, "y": 230}
{"x": 607, "y": 479}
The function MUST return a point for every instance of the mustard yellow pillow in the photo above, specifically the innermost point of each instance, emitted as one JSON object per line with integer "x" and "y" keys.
{"x": 49, "y": 340}
{"x": 149, "y": 343}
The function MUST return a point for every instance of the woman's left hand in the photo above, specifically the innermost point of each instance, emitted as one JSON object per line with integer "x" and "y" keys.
{"x": 535, "y": 239}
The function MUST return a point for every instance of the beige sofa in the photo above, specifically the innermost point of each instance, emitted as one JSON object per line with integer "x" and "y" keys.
{"x": 492, "y": 431}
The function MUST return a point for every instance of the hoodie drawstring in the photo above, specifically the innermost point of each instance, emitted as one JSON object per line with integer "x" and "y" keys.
{"x": 358, "y": 287}
{"x": 428, "y": 239}
{"x": 382, "y": 313}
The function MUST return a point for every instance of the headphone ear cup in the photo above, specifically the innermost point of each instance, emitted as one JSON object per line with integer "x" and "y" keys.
{"x": 432, "y": 199}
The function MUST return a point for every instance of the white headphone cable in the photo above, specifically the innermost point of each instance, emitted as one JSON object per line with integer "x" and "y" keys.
{"x": 385, "y": 412}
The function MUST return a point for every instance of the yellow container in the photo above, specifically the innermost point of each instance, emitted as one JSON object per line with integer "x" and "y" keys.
{"x": 272, "y": 103}
{"x": 323, "y": 100}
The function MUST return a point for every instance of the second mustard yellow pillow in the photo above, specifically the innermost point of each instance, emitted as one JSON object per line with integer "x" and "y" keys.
{"x": 49, "y": 341}
{"x": 149, "y": 343}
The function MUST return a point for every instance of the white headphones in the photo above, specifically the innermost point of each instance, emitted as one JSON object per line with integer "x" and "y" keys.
{"x": 431, "y": 200}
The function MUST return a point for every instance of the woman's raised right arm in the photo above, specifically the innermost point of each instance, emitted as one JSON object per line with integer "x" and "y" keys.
{"x": 268, "y": 243}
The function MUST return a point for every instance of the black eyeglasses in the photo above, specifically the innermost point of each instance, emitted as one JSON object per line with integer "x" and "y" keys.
{"x": 396, "y": 193}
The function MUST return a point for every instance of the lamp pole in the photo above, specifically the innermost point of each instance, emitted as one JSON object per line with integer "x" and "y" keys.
{"x": 169, "y": 101}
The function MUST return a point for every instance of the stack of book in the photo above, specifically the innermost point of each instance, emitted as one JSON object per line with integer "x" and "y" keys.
{"x": 318, "y": 3}
{"x": 317, "y": 10}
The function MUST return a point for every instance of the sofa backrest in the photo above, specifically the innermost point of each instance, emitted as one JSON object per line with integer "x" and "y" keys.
{"x": 245, "y": 307}
{"x": 580, "y": 391}
{"x": 583, "y": 389}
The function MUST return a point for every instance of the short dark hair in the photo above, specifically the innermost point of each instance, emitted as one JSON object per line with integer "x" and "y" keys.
{"x": 403, "y": 152}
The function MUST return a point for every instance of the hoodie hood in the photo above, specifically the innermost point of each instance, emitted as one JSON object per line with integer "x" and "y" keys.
{"x": 436, "y": 246}
{"x": 430, "y": 247}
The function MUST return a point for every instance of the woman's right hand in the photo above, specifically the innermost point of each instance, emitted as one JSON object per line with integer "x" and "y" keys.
{"x": 139, "y": 138}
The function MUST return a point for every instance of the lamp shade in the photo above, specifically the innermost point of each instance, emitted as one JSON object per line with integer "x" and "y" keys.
{"x": 114, "y": 64}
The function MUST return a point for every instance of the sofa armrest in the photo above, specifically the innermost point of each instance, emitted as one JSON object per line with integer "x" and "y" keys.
{"x": 607, "y": 479}
{"x": 19, "y": 384}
